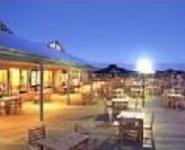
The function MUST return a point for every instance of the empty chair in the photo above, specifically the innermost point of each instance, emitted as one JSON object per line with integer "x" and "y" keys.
{"x": 80, "y": 129}
{"x": 29, "y": 147}
{"x": 131, "y": 130}
{"x": 47, "y": 97}
{"x": 148, "y": 139}
{"x": 148, "y": 144}
{"x": 16, "y": 106}
{"x": 86, "y": 98}
{"x": 149, "y": 126}
{"x": 91, "y": 144}
{"x": 2, "y": 108}
{"x": 35, "y": 134}
{"x": 120, "y": 105}
{"x": 107, "y": 104}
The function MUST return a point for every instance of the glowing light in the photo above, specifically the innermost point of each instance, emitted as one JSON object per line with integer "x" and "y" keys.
{"x": 145, "y": 66}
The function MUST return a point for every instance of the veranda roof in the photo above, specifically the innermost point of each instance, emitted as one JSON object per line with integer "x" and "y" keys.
{"x": 15, "y": 48}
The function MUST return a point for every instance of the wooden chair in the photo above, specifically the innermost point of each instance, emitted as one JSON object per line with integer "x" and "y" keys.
{"x": 86, "y": 98}
{"x": 2, "y": 108}
{"x": 148, "y": 144}
{"x": 28, "y": 147}
{"x": 47, "y": 97}
{"x": 35, "y": 134}
{"x": 17, "y": 106}
{"x": 118, "y": 106}
{"x": 107, "y": 104}
{"x": 149, "y": 126}
{"x": 90, "y": 144}
{"x": 131, "y": 130}
{"x": 13, "y": 106}
{"x": 80, "y": 129}
{"x": 148, "y": 140}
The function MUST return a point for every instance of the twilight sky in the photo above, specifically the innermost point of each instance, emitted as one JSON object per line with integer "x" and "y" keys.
{"x": 111, "y": 31}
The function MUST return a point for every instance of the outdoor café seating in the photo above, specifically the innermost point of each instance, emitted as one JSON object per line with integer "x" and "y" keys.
{"x": 119, "y": 104}
{"x": 80, "y": 129}
{"x": 86, "y": 98}
{"x": 78, "y": 139}
{"x": 174, "y": 100}
{"x": 149, "y": 125}
{"x": 131, "y": 129}
{"x": 47, "y": 96}
{"x": 119, "y": 92}
{"x": 148, "y": 139}
{"x": 91, "y": 145}
{"x": 35, "y": 134}
{"x": 28, "y": 147}
{"x": 10, "y": 104}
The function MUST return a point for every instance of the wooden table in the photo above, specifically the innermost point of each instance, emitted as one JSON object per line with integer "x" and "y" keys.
{"x": 174, "y": 100}
{"x": 64, "y": 142}
{"x": 121, "y": 99}
{"x": 120, "y": 103}
{"x": 131, "y": 126}
{"x": 131, "y": 114}
{"x": 174, "y": 95}
{"x": 118, "y": 92}
{"x": 9, "y": 103}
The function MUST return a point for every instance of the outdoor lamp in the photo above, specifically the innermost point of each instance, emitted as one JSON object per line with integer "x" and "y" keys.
{"x": 144, "y": 66}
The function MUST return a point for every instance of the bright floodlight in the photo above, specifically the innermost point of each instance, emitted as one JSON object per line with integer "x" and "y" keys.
{"x": 144, "y": 65}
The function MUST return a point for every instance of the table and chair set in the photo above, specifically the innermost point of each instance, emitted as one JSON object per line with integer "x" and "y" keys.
{"x": 174, "y": 100}
{"x": 10, "y": 105}
{"x": 78, "y": 139}
{"x": 118, "y": 102}
{"x": 133, "y": 125}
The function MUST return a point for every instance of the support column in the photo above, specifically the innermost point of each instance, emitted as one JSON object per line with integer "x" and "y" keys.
{"x": 9, "y": 84}
{"x": 92, "y": 94}
{"x": 29, "y": 80}
{"x": 54, "y": 75}
{"x": 143, "y": 90}
{"x": 41, "y": 92}
{"x": 68, "y": 87}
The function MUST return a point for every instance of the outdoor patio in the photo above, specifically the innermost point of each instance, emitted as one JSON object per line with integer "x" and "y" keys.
{"x": 169, "y": 132}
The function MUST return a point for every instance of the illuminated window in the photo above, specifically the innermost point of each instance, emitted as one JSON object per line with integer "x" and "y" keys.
{"x": 48, "y": 78}
{"x": 14, "y": 80}
{"x": 35, "y": 78}
{"x": 23, "y": 81}
{"x": 3, "y": 81}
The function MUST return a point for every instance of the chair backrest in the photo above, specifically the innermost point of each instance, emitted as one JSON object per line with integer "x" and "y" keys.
{"x": 29, "y": 147}
{"x": 119, "y": 105}
{"x": 152, "y": 119}
{"x": 36, "y": 133}
{"x": 80, "y": 129}
{"x": 128, "y": 126}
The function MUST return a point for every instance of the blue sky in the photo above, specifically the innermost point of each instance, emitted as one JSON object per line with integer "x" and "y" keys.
{"x": 103, "y": 31}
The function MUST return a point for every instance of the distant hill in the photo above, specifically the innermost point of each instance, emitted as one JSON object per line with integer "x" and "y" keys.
{"x": 158, "y": 66}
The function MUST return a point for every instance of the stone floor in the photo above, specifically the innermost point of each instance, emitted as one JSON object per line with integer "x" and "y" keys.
{"x": 169, "y": 126}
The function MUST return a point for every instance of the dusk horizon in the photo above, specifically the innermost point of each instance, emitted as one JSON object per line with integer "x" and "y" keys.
{"x": 115, "y": 32}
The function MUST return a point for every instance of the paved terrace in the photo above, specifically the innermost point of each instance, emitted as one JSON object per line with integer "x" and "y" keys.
{"x": 169, "y": 127}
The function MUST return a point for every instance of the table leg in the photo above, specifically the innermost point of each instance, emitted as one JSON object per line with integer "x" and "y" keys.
{"x": 110, "y": 114}
{"x": 7, "y": 108}
{"x": 41, "y": 147}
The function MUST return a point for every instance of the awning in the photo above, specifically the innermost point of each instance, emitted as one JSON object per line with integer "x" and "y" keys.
{"x": 15, "y": 48}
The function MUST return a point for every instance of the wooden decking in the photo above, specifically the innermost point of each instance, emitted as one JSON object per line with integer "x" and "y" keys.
{"x": 169, "y": 125}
